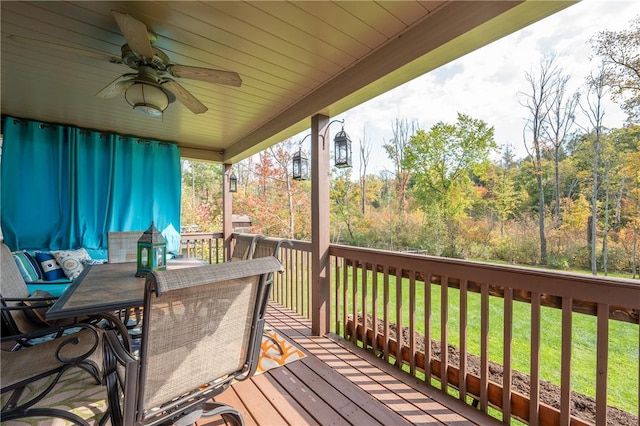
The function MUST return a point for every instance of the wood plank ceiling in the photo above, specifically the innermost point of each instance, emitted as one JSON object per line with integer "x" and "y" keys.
{"x": 295, "y": 59}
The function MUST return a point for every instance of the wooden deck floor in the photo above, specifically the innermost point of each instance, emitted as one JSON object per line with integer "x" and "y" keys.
{"x": 338, "y": 384}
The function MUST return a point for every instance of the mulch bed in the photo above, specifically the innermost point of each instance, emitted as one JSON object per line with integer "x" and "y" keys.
{"x": 582, "y": 406}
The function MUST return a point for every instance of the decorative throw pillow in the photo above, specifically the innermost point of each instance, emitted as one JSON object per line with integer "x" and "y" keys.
{"x": 49, "y": 266}
{"x": 39, "y": 307}
{"x": 71, "y": 261}
{"x": 27, "y": 266}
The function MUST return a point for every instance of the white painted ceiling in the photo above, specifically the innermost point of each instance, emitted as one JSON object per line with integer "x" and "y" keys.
{"x": 296, "y": 59}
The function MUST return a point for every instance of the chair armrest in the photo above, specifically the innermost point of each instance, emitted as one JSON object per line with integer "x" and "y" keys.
{"x": 120, "y": 370}
{"x": 29, "y": 299}
{"x": 113, "y": 344}
{"x": 24, "y": 338}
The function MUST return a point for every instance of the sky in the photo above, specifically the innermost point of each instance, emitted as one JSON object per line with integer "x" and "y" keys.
{"x": 486, "y": 83}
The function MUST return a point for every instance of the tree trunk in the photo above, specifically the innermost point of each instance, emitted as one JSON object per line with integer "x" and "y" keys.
{"x": 541, "y": 219}
{"x": 605, "y": 230}
{"x": 594, "y": 210}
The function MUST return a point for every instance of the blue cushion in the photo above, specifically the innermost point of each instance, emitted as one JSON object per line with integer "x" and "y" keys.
{"x": 27, "y": 266}
{"x": 50, "y": 268}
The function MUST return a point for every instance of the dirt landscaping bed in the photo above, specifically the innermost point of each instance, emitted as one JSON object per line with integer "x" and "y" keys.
{"x": 582, "y": 406}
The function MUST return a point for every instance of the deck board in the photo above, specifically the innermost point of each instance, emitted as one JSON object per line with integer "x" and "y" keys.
{"x": 338, "y": 383}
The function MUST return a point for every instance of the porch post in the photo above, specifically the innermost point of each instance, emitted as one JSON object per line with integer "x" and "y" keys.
{"x": 227, "y": 223}
{"x": 321, "y": 277}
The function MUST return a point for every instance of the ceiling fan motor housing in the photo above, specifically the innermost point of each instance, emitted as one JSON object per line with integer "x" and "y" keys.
{"x": 159, "y": 62}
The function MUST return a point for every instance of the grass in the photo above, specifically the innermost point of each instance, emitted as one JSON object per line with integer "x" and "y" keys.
{"x": 623, "y": 338}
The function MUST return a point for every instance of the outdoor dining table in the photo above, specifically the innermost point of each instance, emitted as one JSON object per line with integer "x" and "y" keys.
{"x": 106, "y": 288}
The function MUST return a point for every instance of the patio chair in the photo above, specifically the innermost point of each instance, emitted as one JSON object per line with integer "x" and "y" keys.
{"x": 122, "y": 247}
{"x": 265, "y": 247}
{"x": 29, "y": 378}
{"x": 243, "y": 246}
{"x": 202, "y": 330}
{"x": 22, "y": 314}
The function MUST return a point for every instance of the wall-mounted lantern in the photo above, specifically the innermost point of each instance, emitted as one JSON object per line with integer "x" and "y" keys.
{"x": 233, "y": 182}
{"x": 342, "y": 149}
{"x": 300, "y": 165}
{"x": 342, "y": 158}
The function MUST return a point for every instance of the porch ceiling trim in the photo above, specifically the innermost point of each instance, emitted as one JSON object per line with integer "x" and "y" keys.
{"x": 443, "y": 36}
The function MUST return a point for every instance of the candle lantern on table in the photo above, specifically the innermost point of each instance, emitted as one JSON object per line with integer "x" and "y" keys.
{"x": 152, "y": 252}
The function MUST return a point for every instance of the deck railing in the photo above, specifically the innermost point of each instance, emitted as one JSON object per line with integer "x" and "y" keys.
{"x": 496, "y": 310}
{"x": 486, "y": 316}
{"x": 202, "y": 245}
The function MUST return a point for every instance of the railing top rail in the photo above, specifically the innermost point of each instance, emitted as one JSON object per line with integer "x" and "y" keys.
{"x": 613, "y": 291}
{"x": 200, "y": 235}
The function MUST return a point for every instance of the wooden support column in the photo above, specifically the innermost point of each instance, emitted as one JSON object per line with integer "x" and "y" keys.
{"x": 321, "y": 277}
{"x": 227, "y": 211}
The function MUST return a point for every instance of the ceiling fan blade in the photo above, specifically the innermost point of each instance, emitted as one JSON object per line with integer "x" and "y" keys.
{"x": 49, "y": 45}
{"x": 206, "y": 74}
{"x": 136, "y": 34}
{"x": 116, "y": 87}
{"x": 185, "y": 98}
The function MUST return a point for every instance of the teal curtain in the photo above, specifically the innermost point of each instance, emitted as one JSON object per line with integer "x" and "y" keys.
{"x": 64, "y": 187}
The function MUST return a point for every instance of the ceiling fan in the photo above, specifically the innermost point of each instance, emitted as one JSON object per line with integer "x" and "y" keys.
{"x": 151, "y": 88}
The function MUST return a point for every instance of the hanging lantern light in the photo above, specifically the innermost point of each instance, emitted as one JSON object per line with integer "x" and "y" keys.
{"x": 342, "y": 149}
{"x": 233, "y": 183}
{"x": 300, "y": 166}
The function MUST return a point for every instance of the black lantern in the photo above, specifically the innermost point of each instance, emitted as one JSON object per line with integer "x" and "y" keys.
{"x": 152, "y": 252}
{"x": 233, "y": 183}
{"x": 300, "y": 166}
{"x": 342, "y": 149}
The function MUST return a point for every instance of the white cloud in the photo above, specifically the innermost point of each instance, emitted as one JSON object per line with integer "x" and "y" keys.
{"x": 485, "y": 84}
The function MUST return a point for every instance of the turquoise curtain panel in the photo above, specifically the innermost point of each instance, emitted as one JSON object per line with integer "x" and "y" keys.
{"x": 64, "y": 187}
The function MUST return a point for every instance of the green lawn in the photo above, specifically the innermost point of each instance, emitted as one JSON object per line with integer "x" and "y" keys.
{"x": 623, "y": 338}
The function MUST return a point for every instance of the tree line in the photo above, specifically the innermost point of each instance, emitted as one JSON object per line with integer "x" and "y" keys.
{"x": 573, "y": 202}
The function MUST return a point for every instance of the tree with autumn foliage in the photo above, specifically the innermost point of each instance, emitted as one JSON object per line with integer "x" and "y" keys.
{"x": 443, "y": 161}
{"x": 277, "y": 205}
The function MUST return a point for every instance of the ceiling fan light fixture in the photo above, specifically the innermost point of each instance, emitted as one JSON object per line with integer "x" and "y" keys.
{"x": 147, "y": 99}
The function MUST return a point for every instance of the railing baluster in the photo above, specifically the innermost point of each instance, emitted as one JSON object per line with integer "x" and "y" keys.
{"x": 386, "y": 312}
{"x": 444, "y": 336}
{"x": 374, "y": 308}
{"x": 565, "y": 369}
{"x": 365, "y": 311}
{"x": 308, "y": 282}
{"x": 295, "y": 283}
{"x": 602, "y": 365}
{"x": 534, "y": 391}
{"x": 427, "y": 326}
{"x": 336, "y": 313}
{"x": 484, "y": 347}
{"x": 463, "y": 340}
{"x": 412, "y": 322}
{"x": 354, "y": 299}
{"x": 345, "y": 297}
{"x": 399, "y": 306}
{"x": 506, "y": 360}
